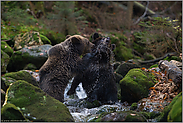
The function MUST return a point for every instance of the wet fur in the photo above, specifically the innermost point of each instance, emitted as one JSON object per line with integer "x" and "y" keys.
{"x": 61, "y": 65}
{"x": 98, "y": 78}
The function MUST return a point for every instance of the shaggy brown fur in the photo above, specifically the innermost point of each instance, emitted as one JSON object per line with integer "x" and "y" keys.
{"x": 61, "y": 65}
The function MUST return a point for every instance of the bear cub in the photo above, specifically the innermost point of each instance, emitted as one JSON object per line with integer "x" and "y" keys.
{"x": 98, "y": 79}
{"x": 61, "y": 65}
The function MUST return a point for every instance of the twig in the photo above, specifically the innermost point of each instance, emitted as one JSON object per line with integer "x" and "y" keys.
{"x": 6, "y": 40}
{"x": 162, "y": 12}
{"x": 143, "y": 14}
{"x": 174, "y": 41}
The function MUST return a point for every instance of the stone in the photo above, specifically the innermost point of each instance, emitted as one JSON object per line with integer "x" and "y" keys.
{"x": 125, "y": 67}
{"x": 4, "y": 61}
{"x": 20, "y": 75}
{"x": 35, "y": 104}
{"x": 36, "y": 55}
{"x": 6, "y": 48}
{"x": 10, "y": 113}
{"x": 135, "y": 85}
{"x": 120, "y": 116}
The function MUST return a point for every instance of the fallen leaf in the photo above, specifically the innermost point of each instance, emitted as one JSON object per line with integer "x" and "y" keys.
{"x": 152, "y": 88}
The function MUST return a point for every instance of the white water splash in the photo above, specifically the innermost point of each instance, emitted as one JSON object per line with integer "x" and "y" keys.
{"x": 79, "y": 90}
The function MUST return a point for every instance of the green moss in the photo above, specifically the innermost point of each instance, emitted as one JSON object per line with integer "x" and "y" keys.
{"x": 30, "y": 67}
{"x": 135, "y": 85}
{"x": 6, "y": 48}
{"x": 36, "y": 103}
{"x": 175, "y": 114}
{"x": 10, "y": 113}
{"x": 4, "y": 61}
{"x": 173, "y": 58}
{"x": 164, "y": 115}
{"x": 22, "y": 75}
{"x": 153, "y": 66}
{"x": 145, "y": 114}
{"x": 44, "y": 39}
{"x": 20, "y": 59}
{"x": 6, "y": 81}
{"x": 154, "y": 114}
{"x": 122, "y": 53}
{"x": 133, "y": 106}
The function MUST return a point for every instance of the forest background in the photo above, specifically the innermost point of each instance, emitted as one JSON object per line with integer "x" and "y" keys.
{"x": 141, "y": 29}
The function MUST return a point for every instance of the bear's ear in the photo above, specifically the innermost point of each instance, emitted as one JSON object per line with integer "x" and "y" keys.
{"x": 95, "y": 36}
{"x": 67, "y": 36}
{"x": 75, "y": 40}
{"x": 113, "y": 46}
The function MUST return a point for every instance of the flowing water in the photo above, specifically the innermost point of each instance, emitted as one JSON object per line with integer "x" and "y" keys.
{"x": 82, "y": 114}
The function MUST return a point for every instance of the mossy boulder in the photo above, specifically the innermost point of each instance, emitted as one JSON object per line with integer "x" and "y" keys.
{"x": 175, "y": 114}
{"x": 125, "y": 67}
{"x": 135, "y": 85}
{"x": 4, "y": 61}
{"x": 36, "y": 104}
{"x": 30, "y": 66}
{"x": 120, "y": 116}
{"x": 36, "y": 55}
{"x": 20, "y": 75}
{"x": 6, "y": 81}
{"x": 172, "y": 112}
{"x": 10, "y": 113}
{"x": 122, "y": 51}
{"x": 6, "y": 48}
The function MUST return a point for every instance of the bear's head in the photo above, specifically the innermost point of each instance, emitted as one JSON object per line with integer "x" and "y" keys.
{"x": 103, "y": 46}
{"x": 79, "y": 44}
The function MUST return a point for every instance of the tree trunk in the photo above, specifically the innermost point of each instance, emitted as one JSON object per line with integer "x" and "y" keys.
{"x": 129, "y": 14}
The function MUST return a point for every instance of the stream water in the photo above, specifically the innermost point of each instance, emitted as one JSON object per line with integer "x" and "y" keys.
{"x": 82, "y": 114}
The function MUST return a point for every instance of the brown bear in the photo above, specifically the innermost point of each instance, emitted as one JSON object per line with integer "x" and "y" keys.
{"x": 61, "y": 65}
{"x": 98, "y": 79}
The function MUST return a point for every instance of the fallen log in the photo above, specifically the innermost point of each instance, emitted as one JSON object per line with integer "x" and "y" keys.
{"x": 171, "y": 71}
{"x": 158, "y": 59}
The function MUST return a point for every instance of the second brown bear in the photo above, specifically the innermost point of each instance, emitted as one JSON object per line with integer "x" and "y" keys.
{"x": 61, "y": 65}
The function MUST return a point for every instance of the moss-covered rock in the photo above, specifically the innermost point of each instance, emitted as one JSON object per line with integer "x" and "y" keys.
{"x": 10, "y": 113}
{"x": 125, "y": 67}
{"x": 176, "y": 110}
{"x": 36, "y": 55}
{"x": 6, "y": 81}
{"x": 125, "y": 116}
{"x": 118, "y": 77}
{"x": 175, "y": 114}
{"x": 135, "y": 85}
{"x": 122, "y": 51}
{"x": 30, "y": 67}
{"x": 6, "y": 48}
{"x": 20, "y": 75}
{"x": 36, "y": 104}
{"x": 4, "y": 61}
